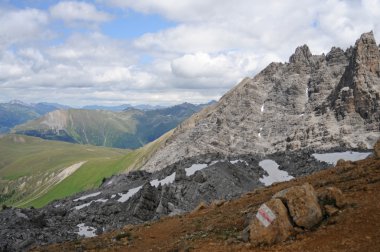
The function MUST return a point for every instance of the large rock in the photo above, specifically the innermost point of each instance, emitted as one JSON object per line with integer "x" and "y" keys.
{"x": 147, "y": 201}
{"x": 263, "y": 232}
{"x": 331, "y": 196}
{"x": 303, "y": 205}
{"x": 377, "y": 149}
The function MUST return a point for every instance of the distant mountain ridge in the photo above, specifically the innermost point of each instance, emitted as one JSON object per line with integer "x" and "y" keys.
{"x": 144, "y": 107}
{"x": 17, "y": 112}
{"x": 314, "y": 101}
{"x": 131, "y": 128}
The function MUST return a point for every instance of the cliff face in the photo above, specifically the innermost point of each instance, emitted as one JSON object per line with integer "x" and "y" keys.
{"x": 314, "y": 101}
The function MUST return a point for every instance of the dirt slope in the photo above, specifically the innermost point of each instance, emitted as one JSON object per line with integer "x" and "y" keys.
{"x": 218, "y": 228}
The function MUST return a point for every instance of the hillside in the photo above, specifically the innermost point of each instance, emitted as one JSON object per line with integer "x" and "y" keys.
{"x": 130, "y": 128}
{"x": 35, "y": 171}
{"x": 16, "y": 112}
{"x": 219, "y": 227}
{"x": 314, "y": 102}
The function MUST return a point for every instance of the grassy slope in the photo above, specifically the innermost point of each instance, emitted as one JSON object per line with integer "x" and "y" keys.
{"x": 32, "y": 161}
{"x": 27, "y": 163}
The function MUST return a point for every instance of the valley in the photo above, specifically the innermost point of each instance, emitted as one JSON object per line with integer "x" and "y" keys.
{"x": 33, "y": 171}
{"x": 129, "y": 129}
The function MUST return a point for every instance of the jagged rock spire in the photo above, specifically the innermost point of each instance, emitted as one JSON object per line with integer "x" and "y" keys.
{"x": 301, "y": 55}
{"x": 359, "y": 88}
{"x": 367, "y": 54}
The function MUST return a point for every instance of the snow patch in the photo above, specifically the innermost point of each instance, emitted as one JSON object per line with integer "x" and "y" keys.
{"x": 215, "y": 162}
{"x": 332, "y": 158}
{"x": 129, "y": 194}
{"x": 101, "y": 200}
{"x": 86, "y": 231}
{"x": 274, "y": 174}
{"x": 88, "y": 196}
{"x": 82, "y": 206}
{"x": 165, "y": 181}
{"x": 262, "y": 108}
{"x": 89, "y": 203}
{"x": 238, "y": 160}
{"x": 195, "y": 167}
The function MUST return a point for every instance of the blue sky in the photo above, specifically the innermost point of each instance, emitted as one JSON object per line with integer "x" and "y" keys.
{"x": 160, "y": 52}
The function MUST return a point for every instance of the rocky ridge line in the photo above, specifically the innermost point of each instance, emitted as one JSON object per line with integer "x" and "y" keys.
{"x": 314, "y": 101}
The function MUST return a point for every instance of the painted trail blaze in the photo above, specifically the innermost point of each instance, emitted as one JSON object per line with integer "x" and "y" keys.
{"x": 265, "y": 215}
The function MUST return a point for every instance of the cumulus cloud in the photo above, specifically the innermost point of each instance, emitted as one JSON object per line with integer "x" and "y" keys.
{"x": 19, "y": 26}
{"x": 73, "y": 11}
{"x": 206, "y": 71}
{"x": 211, "y": 46}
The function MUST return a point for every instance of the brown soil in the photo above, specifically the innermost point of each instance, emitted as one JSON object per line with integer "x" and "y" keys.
{"x": 218, "y": 228}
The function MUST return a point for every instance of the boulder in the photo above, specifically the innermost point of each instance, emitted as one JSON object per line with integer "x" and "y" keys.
{"x": 146, "y": 202}
{"x": 331, "y": 196}
{"x": 180, "y": 175}
{"x": 199, "y": 177}
{"x": 270, "y": 226}
{"x": 201, "y": 206}
{"x": 303, "y": 205}
{"x": 377, "y": 149}
{"x": 331, "y": 210}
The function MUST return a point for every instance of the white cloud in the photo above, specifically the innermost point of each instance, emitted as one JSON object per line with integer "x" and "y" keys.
{"x": 204, "y": 71}
{"x": 199, "y": 65}
{"x": 18, "y": 26}
{"x": 208, "y": 49}
{"x": 73, "y": 11}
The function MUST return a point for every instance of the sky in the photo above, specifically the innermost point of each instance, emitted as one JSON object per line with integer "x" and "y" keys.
{"x": 112, "y": 52}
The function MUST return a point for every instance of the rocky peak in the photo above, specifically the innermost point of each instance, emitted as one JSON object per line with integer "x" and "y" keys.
{"x": 301, "y": 55}
{"x": 336, "y": 56}
{"x": 367, "y": 54}
{"x": 359, "y": 88}
{"x": 313, "y": 101}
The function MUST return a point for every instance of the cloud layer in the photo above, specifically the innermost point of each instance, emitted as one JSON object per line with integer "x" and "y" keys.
{"x": 61, "y": 52}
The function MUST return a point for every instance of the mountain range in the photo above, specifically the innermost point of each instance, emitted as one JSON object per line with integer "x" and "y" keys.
{"x": 144, "y": 107}
{"x": 130, "y": 128}
{"x": 317, "y": 102}
{"x": 17, "y": 112}
{"x": 290, "y": 120}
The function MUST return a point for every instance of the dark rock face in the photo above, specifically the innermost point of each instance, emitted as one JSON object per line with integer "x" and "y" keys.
{"x": 221, "y": 180}
{"x": 314, "y": 101}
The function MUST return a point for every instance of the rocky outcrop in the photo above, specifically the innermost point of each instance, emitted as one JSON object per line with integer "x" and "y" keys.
{"x": 359, "y": 88}
{"x": 290, "y": 211}
{"x": 314, "y": 101}
{"x": 303, "y": 206}
{"x": 331, "y": 196}
{"x": 277, "y": 231}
